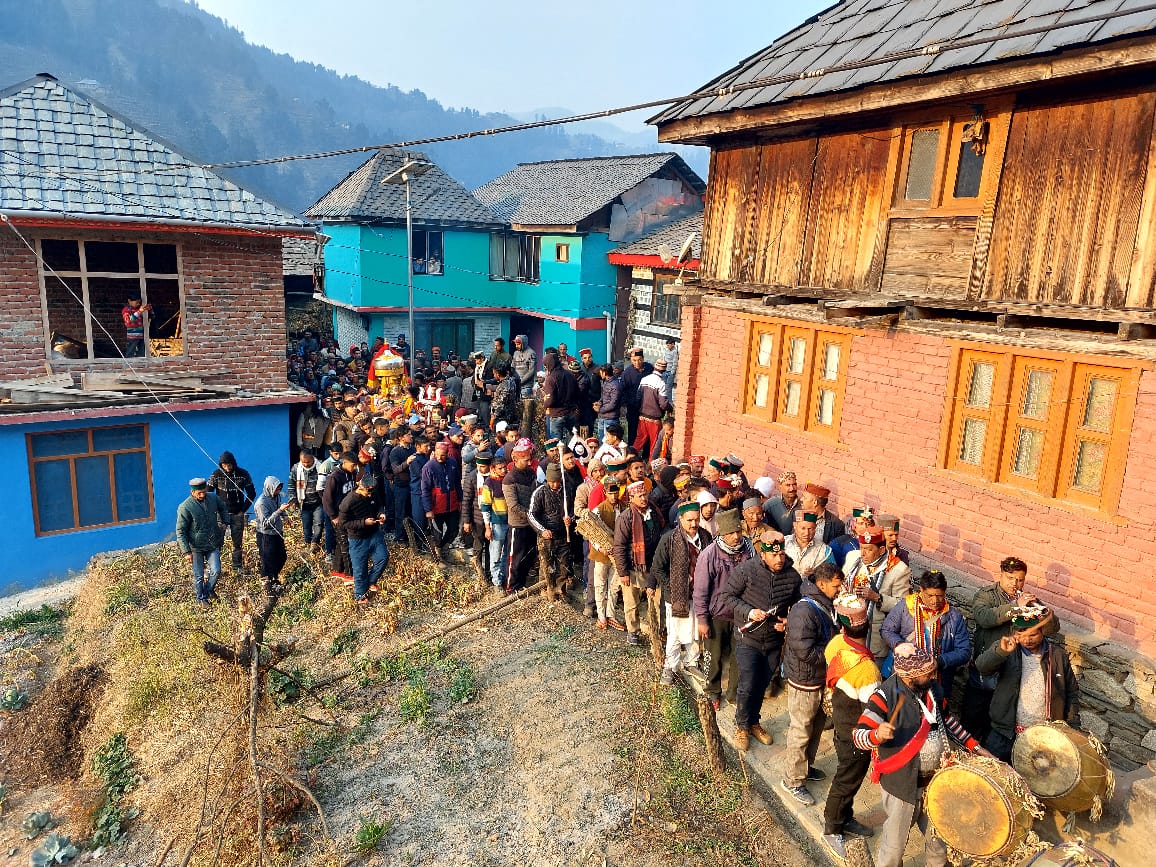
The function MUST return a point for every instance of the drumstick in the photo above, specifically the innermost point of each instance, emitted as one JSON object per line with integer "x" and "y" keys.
{"x": 898, "y": 707}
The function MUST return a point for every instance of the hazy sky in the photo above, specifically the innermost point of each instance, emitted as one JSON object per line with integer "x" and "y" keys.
{"x": 505, "y": 55}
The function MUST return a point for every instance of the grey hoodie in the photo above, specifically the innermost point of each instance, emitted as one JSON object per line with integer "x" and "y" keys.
{"x": 266, "y": 517}
{"x": 524, "y": 362}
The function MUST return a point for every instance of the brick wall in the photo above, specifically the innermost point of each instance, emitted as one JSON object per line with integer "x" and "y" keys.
{"x": 1096, "y": 572}
{"x": 234, "y": 322}
{"x": 1087, "y": 566}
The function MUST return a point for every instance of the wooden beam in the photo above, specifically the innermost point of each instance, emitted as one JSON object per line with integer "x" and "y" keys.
{"x": 967, "y": 83}
{"x": 1136, "y": 331}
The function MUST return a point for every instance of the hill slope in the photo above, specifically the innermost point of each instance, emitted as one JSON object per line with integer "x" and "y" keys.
{"x": 192, "y": 79}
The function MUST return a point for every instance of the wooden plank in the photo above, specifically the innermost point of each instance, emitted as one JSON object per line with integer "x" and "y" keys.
{"x": 785, "y": 179}
{"x": 98, "y": 380}
{"x": 953, "y": 85}
{"x": 1142, "y": 275}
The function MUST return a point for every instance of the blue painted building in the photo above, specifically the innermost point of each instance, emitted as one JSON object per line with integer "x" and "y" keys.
{"x": 101, "y": 447}
{"x": 578, "y": 211}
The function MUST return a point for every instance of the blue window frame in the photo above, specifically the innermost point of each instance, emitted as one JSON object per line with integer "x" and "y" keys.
{"x": 82, "y": 479}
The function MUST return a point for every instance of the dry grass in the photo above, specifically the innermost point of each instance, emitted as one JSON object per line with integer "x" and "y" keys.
{"x": 184, "y": 714}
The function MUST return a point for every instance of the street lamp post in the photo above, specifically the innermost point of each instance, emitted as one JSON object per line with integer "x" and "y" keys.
{"x": 403, "y": 175}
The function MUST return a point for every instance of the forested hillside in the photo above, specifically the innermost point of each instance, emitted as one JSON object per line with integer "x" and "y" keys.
{"x": 193, "y": 80}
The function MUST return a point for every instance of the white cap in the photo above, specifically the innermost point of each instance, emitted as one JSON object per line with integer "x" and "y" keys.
{"x": 765, "y": 485}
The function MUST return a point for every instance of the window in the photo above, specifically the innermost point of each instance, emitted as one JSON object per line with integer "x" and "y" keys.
{"x": 796, "y": 375}
{"x": 90, "y": 478}
{"x": 941, "y": 164}
{"x": 561, "y": 252}
{"x": 514, "y": 256}
{"x": 428, "y": 256}
{"x": 1051, "y": 425}
{"x": 86, "y": 284}
{"x": 665, "y": 309}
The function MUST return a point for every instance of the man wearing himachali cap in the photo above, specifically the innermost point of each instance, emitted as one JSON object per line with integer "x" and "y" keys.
{"x": 872, "y": 576}
{"x": 905, "y": 725}
{"x": 671, "y": 580}
{"x": 636, "y": 533}
{"x": 781, "y": 509}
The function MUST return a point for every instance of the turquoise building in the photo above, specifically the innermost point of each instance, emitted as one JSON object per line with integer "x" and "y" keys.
{"x": 524, "y": 254}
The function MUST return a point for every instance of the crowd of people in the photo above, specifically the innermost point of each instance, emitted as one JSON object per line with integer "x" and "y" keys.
{"x": 754, "y": 587}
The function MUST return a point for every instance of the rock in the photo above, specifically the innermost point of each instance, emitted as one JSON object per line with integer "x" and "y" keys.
{"x": 1102, "y": 683}
{"x": 1133, "y": 752}
{"x": 1149, "y": 741}
{"x": 1094, "y": 724}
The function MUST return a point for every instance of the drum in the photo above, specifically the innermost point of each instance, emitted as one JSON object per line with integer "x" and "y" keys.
{"x": 1074, "y": 854}
{"x": 1064, "y": 768}
{"x": 981, "y": 808}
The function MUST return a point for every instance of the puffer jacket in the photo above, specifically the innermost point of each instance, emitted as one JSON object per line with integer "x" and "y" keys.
{"x": 547, "y": 511}
{"x": 517, "y": 488}
{"x": 235, "y": 488}
{"x": 810, "y": 625}
{"x": 266, "y": 518}
{"x": 610, "y": 406}
{"x": 753, "y": 585}
{"x": 199, "y": 524}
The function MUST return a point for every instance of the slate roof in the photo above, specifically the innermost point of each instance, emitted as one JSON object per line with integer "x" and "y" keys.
{"x": 436, "y": 198}
{"x": 854, "y": 31}
{"x": 63, "y": 154}
{"x": 672, "y": 235}
{"x": 564, "y": 192}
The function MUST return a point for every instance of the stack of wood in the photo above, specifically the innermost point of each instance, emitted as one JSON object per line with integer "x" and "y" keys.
{"x": 103, "y": 388}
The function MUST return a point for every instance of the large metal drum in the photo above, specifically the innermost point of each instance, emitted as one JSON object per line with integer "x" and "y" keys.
{"x": 1063, "y": 767}
{"x": 979, "y": 807}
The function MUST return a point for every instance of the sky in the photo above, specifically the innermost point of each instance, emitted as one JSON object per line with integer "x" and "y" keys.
{"x": 516, "y": 56}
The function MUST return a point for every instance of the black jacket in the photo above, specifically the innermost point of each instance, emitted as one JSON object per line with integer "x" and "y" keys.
{"x": 1065, "y": 691}
{"x": 810, "y": 625}
{"x": 471, "y": 511}
{"x": 234, "y": 489}
{"x": 355, "y": 508}
{"x": 753, "y": 585}
{"x": 337, "y": 487}
{"x": 560, "y": 393}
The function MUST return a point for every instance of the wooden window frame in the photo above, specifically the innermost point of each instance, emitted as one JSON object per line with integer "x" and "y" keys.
{"x": 943, "y": 201}
{"x": 561, "y": 252}
{"x": 47, "y": 273}
{"x": 1062, "y": 423}
{"x": 144, "y": 449}
{"x": 809, "y": 380}
{"x": 659, "y": 281}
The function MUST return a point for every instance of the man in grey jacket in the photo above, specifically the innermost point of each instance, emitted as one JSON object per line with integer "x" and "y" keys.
{"x": 201, "y": 520}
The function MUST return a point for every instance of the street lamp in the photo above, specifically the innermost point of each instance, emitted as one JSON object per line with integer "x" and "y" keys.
{"x": 409, "y": 170}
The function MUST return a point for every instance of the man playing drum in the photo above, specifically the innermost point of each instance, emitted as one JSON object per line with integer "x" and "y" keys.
{"x": 1036, "y": 681}
{"x": 906, "y": 725}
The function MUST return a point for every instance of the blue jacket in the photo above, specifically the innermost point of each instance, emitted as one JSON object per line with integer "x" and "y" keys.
{"x": 954, "y": 640}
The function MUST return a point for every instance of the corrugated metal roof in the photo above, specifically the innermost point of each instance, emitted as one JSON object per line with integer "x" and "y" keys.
{"x": 564, "y": 192}
{"x": 436, "y": 198}
{"x": 673, "y": 235}
{"x": 876, "y": 30}
{"x": 63, "y": 154}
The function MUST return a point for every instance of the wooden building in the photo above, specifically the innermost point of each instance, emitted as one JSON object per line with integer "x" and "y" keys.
{"x": 928, "y": 281}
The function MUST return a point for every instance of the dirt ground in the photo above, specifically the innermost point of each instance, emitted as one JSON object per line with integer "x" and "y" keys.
{"x": 541, "y": 741}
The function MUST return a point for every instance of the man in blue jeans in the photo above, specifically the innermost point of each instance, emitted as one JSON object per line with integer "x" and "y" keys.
{"x": 201, "y": 520}
{"x": 363, "y": 518}
{"x": 305, "y": 493}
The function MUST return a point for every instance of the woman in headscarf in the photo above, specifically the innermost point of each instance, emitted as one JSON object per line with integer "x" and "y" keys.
{"x": 708, "y": 505}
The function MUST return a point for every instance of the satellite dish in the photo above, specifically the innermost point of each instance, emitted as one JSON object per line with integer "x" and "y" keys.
{"x": 665, "y": 253}
{"x": 684, "y": 253}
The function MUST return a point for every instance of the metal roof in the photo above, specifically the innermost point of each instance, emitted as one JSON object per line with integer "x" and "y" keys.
{"x": 862, "y": 42}
{"x": 63, "y": 154}
{"x": 565, "y": 192}
{"x": 436, "y": 198}
{"x": 673, "y": 235}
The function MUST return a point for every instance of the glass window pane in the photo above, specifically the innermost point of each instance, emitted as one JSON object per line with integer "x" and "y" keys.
{"x": 1029, "y": 447}
{"x": 60, "y": 255}
{"x": 66, "y": 316}
{"x": 831, "y": 355}
{"x": 119, "y": 257}
{"x": 113, "y": 439}
{"x": 762, "y": 389}
{"x": 970, "y": 172}
{"x": 160, "y": 258}
{"x": 826, "y": 410}
{"x": 94, "y": 491}
{"x": 971, "y": 443}
{"x": 53, "y": 480}
{"x": 132, "y": 491}
{"x": 1101, "y": 402}
{"x": 766, "y": 349}
{"x": 65, "y": 443}
{"x": 1090, "y": 457}
{"x": 1037, "y": 394}
{"x": 979, "y": 389}
{"x": 921, "y": 164}
{"x": 791, "y": 402}
{"x": 797, "y": 355}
